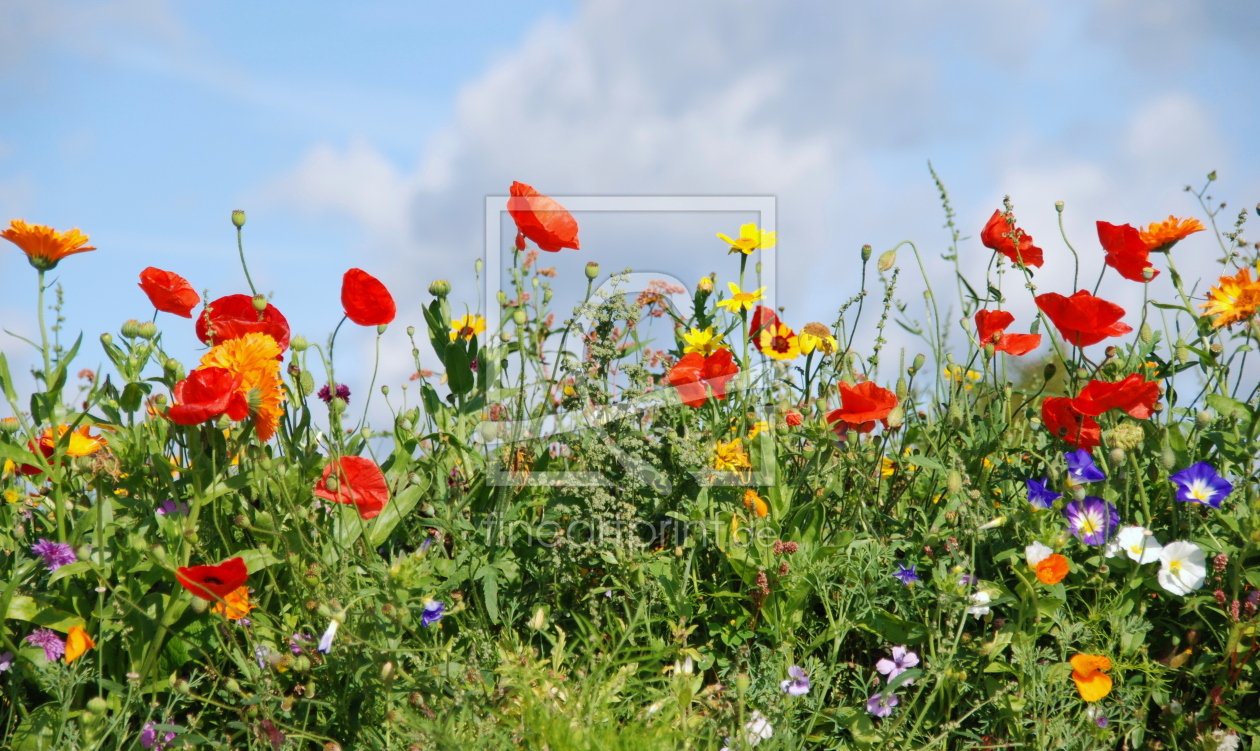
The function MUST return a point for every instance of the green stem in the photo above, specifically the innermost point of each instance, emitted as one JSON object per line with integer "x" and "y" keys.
{"x": 43, "y": 332}
{"x": 240, "y": 247}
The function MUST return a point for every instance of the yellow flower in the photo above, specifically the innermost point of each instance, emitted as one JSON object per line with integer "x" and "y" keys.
{"x": 741, "y": 299}
{"x": 1235, "y": 299}
{"x": 77, "y": 643}
{"x": 750, "y": 239}
{"x": 1163, "y": 235}
{"x": 817, "y": 336}
{"x": 757, "y": 428}
{"x": 81, "y": 444}
{"x": 887, "y": 466}
{"x": 958, "y": 374}
{"x": 755, "y": 503}
{"x": 730, "y": 457}
{"x": 467, "y": 327}
{"x": 1087, "y": 673}
{"x": 704, "y": 342}
{"x": 779, "y": 341}
{"x": 253, "y": 358}
{"x": 11, "y": 496}
{"x": 44, "y": 246}
{"x": 9, "y": 468}
{"x": 235, "y": 606}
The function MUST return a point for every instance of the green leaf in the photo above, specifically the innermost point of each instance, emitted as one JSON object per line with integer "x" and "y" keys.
{"x": 6, "y": 380}
{"x": 28, "y": 609}
{"x": 1228, "y": 407}
{"x": 398, "y": 507}
{"x": 72, "y": 569}
{"x": 459, "y": 376}
{"x": 490, "y": 586}
{"x": 133, "y": 394}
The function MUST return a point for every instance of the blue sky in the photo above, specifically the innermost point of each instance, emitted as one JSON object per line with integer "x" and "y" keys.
{"x": 368, "y": 134}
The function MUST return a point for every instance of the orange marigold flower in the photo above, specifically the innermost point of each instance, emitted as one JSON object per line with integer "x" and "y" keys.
{"x": 755, "y": 503}
{"x": 1052, "y": 569}
{"x": 235, "y": 605}
{"x": 1091, "y": 681}
{"x": 77, "y": 643}
{"x": 44, "y": 246}
{"x": 1163, "y": 235}
{"x": 252, "y": 357}
{"x": 1235, "y": 299}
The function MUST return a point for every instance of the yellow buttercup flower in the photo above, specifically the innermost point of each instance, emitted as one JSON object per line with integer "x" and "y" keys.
{"x": 1235, "y": 299}
{"x": 740, "y": 299}
{"x": 817, "y": 336}
{"x": 703, "y": 342}
{"x": 750, "y": 239}
{"x": 253, "y": 358}
{"x": 467, "y": 327}
{"x": 958, "y": 374}
{"x": 12, "y": 496}
{"x": 730, "y": 457}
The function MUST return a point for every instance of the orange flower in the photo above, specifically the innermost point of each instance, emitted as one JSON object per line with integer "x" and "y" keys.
{"x": 252, "y": 358}
{"x": 77, "y": 642}
{"x": 1163, "y": 235}
{"x": 1090, "y": 680}
{"x": 81, "y": 443}
{"x": 44, "y": 246}
{"x": 1235, "y": 299}
{"x": 235, "y": 605}
{"x": 861, "y": 406}
{"x": 755, "y": 503}
{"x": 1051, "y": 569}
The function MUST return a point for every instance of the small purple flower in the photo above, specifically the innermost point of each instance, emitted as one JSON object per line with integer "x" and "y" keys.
{"x": 797, "y": 683}
{"x": 55, "y": 554}
{"x": 906, "y": 574}
{"x": 1092, "y": 520}
{"x": 1081, "y": 468}
{"x": 327, "y": 394}
{"x": 880, "y": 705}
{"x": 902, "y": 660}
{"x": 426, "y": 544}
{"x": 148, "y": 738}
{"x": 54, "y": 647}
{"x": 295, "y": 642}
{"x": 6, "y": 661}
{"x": 179, "y": 508}
{"x": 433, "y": 612}
{"x": 260, "y": 654}
{"x": 967, "y": 580}
{"x": 1101, "y": 721}
{"x": 1199, "y": 483}
{"x": 1039, "y": 496}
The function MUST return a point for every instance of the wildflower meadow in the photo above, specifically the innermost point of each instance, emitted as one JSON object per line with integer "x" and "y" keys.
{"x": 738, "y": 530}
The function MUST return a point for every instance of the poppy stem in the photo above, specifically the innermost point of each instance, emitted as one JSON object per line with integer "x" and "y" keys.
{"x": 240, "y": 247}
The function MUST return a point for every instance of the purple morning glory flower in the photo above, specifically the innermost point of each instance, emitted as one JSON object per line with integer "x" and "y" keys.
{"x": 327, "y": 394}
{"x": 173, "y": 507}
{"x": 1039, "y": 496}
{"x": 1092, "y": 520}
{"x": 6, "y": 661}
{"x": 1199, "y": 483}
{"x": 966, "y": 580}
{"x": 797, "y": 683}
{"x": 880, "y": 705}
{"x": 54, "y": 647}
{"x": 55, "y": 554}
{"x": 902, "y": 660}
{"x": 1081, "y": 468}
{"x": 906, "y": 574}
{"x": 433, "y": 612}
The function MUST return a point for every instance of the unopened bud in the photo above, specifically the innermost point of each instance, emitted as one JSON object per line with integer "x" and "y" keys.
{"x": 337, "y": 404}
{"x": 520, "y": 317}
{"x": 199, "y": 605}
{"x": 107, "y": 339}
{"x": 332, "y": 483}
{"x": 260, "y": 303}
{"x": 97, "y": 705}
{"x": 547, "y": 295}
{"x": 1202, "y": 419}
{"x": 1048, "y": 372}
{"x": 902, "y": 389}
{"x": 919, "y": 360}
{"x": 147, "y": 330}
{"x": 1148, "y": 273}
{"x": 592, "y": 270}
{"x": 1145, "y": 334}
{"x": 505, "y": 336}
{"x": 705, "y": 285}
{"x": 742, "y": 682}
{"x": 440, "y": 288}
{"x": 1182, "y": 352}
{"x": 1058, "y": 206}
{"x": 1115, "y": 457}
{"x": 131, "y": 329}
{"x": 299, "y": 343}
{"x": 501, "y": 296}
{"x": 866, "y": 253}
{"x": 953, "y": 481}
{"x": 989, "y": 351}
{"x": 478, "y": 265}
{"x": 896, "y": 417}
{"x": 387, "y": 672}
{"x": 1168, "y": 459}
{"x": 9, "y": 425}
{"x": 411, "y": 331}
{"x": 238, "y": 218}
{"x": 886, "y": 260}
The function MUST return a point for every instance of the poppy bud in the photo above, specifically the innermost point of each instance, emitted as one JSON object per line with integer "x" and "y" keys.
{"x": 337, "y": 405}
{"x": 307, "y": 382}
{"x": 1148, "y": 273}
{"x": 1216, "y": 349}
{"x": 332, "y": 483}
{"x": 547, "y": 295}
{"x": 478, "y": 265}
{"x": 440, "y": 288}
{"x": 1202, "y": 420}
{"x": 1048, "y": 372}
{"x": 147, "y": 330}
{"x": 953, "y": 481}
{"x": 260, "y": 303}
{"x": 1181, "y": 353}
{"x": 1168, "y": 458}
{"x": 592, "y": 270}
{"x": 742, "y": 682}
{"x": 131, "y": 329}
{"x": 520, "y": 241}
{"x": 919, "y": 360}
{"x": 886, "y": 260}
{"x": 501, "y": 296}
{"x": 520, "y": 317}
{"x": 199, "y": 605}
{"x": 989, "y": 351}
{"x": 387, "y": 672}
{"x": 286, "y": 703}
{"x": 1058, "y": 206}
{"x": 534, "y": 282}
{"x": 866, "y": 253}
{"x": 1116, "y": 457}
{"x": 505, "y": 336}
{"x": 1145, "y": 333}
{"x": 902, "y": 389}
{"x": 1078, "y": 492}
{"x": 299, "y": 343}
{"x": 238, "y": 218}
{"x": 180, "y": 686}
{"x": 107, "y": 339}
{"x": 896, "y": 417}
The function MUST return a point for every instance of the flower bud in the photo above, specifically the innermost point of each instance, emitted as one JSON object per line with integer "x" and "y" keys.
{"x": 705, "y": 285}
{"x": 147, "y": 330}
{"x": 1145, "y": 333}
{"x": 440, "y": 288}
{"x": 1182, "y": 352}
{"x": 238, "y": 218}
{"x": 299, "y": 343}
{"x": 505, "y": 336}
{"x": 917, "y": 365}
{"x": 539, "y": 619}
{"x": 1168, "y": 459}
{"x": 478, "y": 265}
{"x": 533, "y": 282}
{"x": 97, "y": 705}
{"x": 199, "y": 605}
{"x": 1115, "y": 457}
{"x": 547, "y": 294}
{"x": 9, "y": 425}
{"x": 131, "y": 329}
{"x": 411, "y": 331}
{"x": 107, "y": 339}
{"x": 387, "y": 672}
{"x": 1202, "y": 419}
{"x": 380, "y": 328}
{"x": 1078, "y": 492}
{"x": 520, "y": 317}
{"x": 886, "y": 260}
{"x": 742, "y": 682}
{"x": 337, "y": 405}
{"x": 989, "y": 351}
{"x": 1058, "y": 206}
{"x": 332, "y": 483}
{"x": 592, "y": 270}
{"x": 260, "y": 303}
{"x": 866, "y": 253}
{"x": 896, "y": 417}
{"x": 1048, "y": 372}
{"x": 902, "y": 389}
{"x": 953, "y": 481}
{"x": 501, "y": 296}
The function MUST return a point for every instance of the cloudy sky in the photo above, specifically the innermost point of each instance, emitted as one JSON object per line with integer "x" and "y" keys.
{"x": 369, "y": 134}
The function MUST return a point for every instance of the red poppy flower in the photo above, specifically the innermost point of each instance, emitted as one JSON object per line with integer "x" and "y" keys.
{"x": 207, "y": 393}
{"x": 1065, "y": 422}
{"x": 694, "y": 371}
{"x": 793, "y": 417}
{"x": 541, "y": 219}
{"x": 214, "y": 582}
{"x": 359, "y": 482}
{"x": 1083, "y": 319}
{"x": 234, "y": 316}
{"x": 861, "y": 406}
{"x": 994, "y": 236}
{"x": 991, "y": 329}
{"x": 366, "y": 300}
{"x": 1134, "y": 395}
{"x": 762, "y": 317}
{"x": 169, "y": 292}
{"x": 1126, "y": 251}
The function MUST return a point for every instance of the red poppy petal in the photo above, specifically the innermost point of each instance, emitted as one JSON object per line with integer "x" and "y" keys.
{"x": 234, "y": 316}
{"x": 1018, "y": 344}
{"x": 366, "y": 300}
{"x": 169, "y": 292}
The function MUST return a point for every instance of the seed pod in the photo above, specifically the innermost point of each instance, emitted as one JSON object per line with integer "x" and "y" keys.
{"x": 1215, "y": 348}
{"x": 1145, "y": 333}
{"x": 478, "y": 265}
{"x": 896, "y": 417}
{"x": 238, "y": 218}
{"x": 886, "y": 260}
{"x": 902, "y": 389}
{"x": 919, "y": 360}
{"x": 1167, "y": 458}
{"x": 260, "y": 303}
{"x": 1181, "y": 353}
{"x": 953, "y": 481}
{"x": 97, "y": 705}
{"x": 520, "y": 317}
{"x": 866, "y": 249}
{"x": 1116, "y": 457}
{"x": 592, "y": 270}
